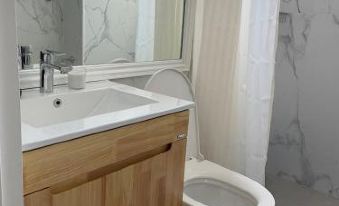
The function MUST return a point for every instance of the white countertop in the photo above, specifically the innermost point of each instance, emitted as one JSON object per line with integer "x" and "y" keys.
{"x": 37, "y": 137}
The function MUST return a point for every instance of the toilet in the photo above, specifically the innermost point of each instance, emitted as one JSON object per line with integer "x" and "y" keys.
{"x": 206, "y": 183}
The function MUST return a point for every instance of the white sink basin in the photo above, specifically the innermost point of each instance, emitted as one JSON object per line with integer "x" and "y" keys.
{"x": 68, "y": 114}
{"x": 54, "y": 109}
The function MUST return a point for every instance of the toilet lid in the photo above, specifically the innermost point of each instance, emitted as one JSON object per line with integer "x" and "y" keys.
{"x": 174, "y": 83}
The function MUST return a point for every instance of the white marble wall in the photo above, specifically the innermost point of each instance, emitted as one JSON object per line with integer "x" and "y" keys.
{"x": 50, "y": 24}
{"x": 110, "y": 30}
{"x": 304, "y": 145}
{"x": 94, "y": 31}
{"x": 39, "y": 23}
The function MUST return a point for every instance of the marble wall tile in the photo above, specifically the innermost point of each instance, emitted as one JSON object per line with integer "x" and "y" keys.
{"x": 39, "y": 23}
{"x": 50, "y": 24}
{"x": 94, "y": 31}
{"x": 304, "y": 142}
{"x": 110, "y": 30}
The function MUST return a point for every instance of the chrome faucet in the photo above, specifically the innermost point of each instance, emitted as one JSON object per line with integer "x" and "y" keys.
{"x": 49, "y": 61}
{"x": 25, "y": 55}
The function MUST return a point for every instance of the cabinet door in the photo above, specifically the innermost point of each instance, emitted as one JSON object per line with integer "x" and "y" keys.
{"x": 88, "y": 194}
{"x": 56, "y": 164}
{"x": 157, "y": 181}
{"x": 154, "y": 182}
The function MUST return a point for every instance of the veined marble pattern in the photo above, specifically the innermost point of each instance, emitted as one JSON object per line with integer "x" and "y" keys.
{"x": 39, "y": 23}
{"x": 110, "y": 30}
{"x": 93, "y": 31}
{"x": 304, "y": 145}
{"x": 50, "y": 24}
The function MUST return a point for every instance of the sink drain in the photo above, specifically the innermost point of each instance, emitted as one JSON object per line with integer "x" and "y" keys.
{"x": 57, "y": 103}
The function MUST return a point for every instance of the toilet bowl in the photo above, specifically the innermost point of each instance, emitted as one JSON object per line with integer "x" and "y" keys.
{"x": 206, "y": 183}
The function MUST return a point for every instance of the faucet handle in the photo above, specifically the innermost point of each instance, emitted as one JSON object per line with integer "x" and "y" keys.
{"x": 54, "y": 53}
{"x": 46, "y": 56}
{"x": 56, "y": 58}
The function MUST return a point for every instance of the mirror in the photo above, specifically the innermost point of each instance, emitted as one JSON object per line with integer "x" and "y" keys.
{"x": 101, "y": 31}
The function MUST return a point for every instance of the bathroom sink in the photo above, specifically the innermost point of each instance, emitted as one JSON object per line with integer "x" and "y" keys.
{"x": 69, "y": 114}
{"x": 55, "y": 109}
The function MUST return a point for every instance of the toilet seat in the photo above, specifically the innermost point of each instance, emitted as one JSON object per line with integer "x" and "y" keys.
{"x": 253, "y": 193}
{"x": 213, "y": 192}
{"x": 204, "y": 176}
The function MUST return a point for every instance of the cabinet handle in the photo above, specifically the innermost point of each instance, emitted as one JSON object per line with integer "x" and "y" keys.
{"x": 181, "y": 136}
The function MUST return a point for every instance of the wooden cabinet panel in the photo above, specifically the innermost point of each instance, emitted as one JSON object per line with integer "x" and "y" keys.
{"x": 132, "y": 167}
{"x": 157, "y": 181}
{"x": 89, "y": 194}
{"x": 60, "y": 162}
{"x": 42, "y": 198}
{"x": 119, "y": 187}
{"x": 153, "y": 182}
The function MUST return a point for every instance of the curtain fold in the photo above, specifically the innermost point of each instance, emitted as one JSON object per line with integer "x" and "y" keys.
{"x": 159, "y": 30}
{"x": 234, "y": 83}
{"x": 144, "y": 46}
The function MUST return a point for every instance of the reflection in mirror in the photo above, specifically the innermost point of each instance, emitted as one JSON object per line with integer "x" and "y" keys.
{"x": 100, "y": 31}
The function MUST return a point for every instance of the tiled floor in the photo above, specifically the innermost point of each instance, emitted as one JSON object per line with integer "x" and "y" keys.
{"x": 290, "y": 194}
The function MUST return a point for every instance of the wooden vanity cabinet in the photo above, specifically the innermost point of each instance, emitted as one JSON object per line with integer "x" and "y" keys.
{"x": 140, "y": 164}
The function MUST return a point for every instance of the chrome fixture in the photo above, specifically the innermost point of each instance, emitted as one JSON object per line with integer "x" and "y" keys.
{"x": 25, "y": 55}
{"x": 50, "y": 60}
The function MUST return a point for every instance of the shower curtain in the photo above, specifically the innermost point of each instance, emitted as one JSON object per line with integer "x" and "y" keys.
{"x": 158, "y": 35}
{"x": 234, "y": 82}
{"x": 144, "y": 45}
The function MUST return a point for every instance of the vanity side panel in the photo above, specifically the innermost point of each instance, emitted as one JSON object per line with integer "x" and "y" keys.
{"x": 46, "y": 167}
